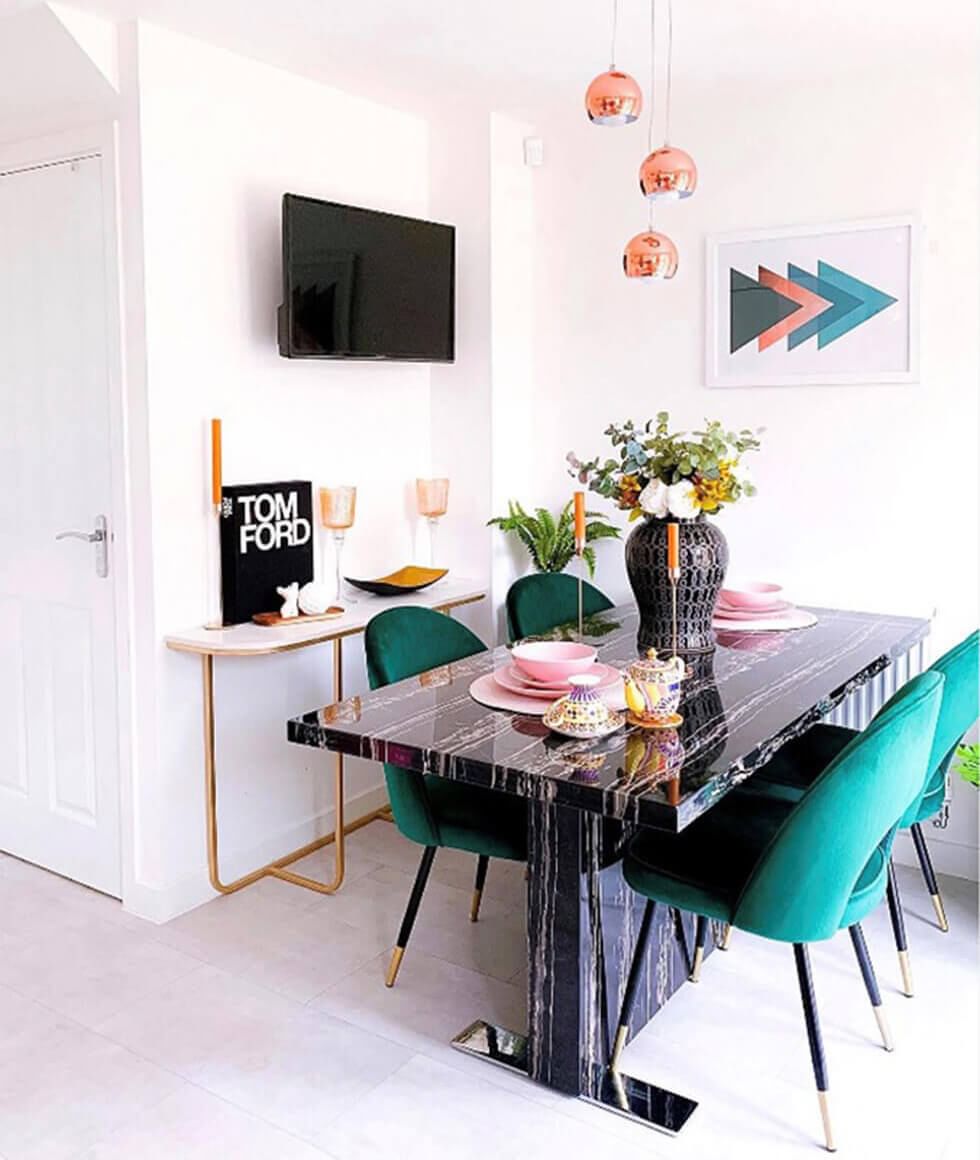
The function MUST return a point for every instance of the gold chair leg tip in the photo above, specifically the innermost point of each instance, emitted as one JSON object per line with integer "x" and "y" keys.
{"x": 396, "y": 961}
{"x": 828, "y": 1132}
{"x": 726, "y": 938}
{"x": 937, "y": 903}
{"x": 886, "y": 1033}
{"x": 475, "y": 905}
{"x": 695, "y": 974}
{"x": 618, "y": 1045}
{"x": 903, "y": 962}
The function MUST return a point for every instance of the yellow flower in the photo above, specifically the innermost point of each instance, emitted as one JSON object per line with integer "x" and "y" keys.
{"x": 710, "y": 494}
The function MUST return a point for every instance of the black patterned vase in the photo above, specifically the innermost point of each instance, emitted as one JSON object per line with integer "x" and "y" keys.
{"x": 703, "y": 560}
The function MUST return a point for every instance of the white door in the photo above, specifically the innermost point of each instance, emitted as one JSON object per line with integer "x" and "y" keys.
{"x": 59, "y": 745}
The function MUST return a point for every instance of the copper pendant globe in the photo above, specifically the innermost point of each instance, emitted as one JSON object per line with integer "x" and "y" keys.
{"x": 650, "y": 255}
{"x": 668, "y": 173}
{"x": 613, "y": 98}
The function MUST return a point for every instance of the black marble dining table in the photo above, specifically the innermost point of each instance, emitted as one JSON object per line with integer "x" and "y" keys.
{"x": 741, "y": 702}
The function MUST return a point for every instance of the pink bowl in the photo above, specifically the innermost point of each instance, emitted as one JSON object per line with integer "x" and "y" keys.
{"x": 553, "y": 661}
{"x": 754, "y": 594}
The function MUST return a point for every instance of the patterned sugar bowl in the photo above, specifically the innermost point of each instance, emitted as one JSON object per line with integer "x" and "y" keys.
{"x": 653, "y": 691}
{"x": 582, "y": 712}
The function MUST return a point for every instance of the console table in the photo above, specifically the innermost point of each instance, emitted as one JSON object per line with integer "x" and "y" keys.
{"x": 252, "y": 640}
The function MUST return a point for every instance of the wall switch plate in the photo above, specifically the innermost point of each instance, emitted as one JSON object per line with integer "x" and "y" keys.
{"x": 533, "y": 152}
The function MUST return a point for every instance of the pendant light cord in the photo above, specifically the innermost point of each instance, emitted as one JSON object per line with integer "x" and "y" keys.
{"x": 670, "y": 61}
{"x": 612, "y": 47}
{"x": 653, "y": 93}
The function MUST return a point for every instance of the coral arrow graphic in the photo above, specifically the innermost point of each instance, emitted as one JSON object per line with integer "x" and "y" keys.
{"x": 754, "y": 308}
{"x": 871, "y": 301}
{"x": 811, "y": 306}
{"x": 841, "y": 302}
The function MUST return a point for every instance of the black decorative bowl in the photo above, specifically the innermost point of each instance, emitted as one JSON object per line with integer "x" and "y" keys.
{"x": 410, "y": 579}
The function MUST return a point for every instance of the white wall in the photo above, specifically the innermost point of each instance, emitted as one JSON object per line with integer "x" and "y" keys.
{"x": 220, "y": 139}
{"x": 868, "y": 494}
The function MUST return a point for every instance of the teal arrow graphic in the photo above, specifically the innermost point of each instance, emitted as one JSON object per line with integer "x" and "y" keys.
{"x": 754, "y": 308}
{"x": 871, "y": 301}
{"x": 841, "y": 304}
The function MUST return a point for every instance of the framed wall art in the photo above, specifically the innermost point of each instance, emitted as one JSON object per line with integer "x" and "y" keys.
{"x": 835, "y": 303}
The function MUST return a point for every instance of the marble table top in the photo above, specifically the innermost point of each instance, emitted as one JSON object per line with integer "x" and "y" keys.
{"x": 741, "y": 703}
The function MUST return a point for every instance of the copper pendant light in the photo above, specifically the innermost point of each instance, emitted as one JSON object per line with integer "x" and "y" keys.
{"x": 668, "y": 172}
{"x": 650, "y": 255}
{"x": 613, "y": 97}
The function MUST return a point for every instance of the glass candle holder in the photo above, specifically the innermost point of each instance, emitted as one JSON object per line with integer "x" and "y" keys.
{"x": 337, "y": 508}
{"x": 433, "y": 500}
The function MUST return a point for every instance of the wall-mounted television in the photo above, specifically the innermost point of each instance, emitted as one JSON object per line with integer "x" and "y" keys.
{"x": 359, "y": 284}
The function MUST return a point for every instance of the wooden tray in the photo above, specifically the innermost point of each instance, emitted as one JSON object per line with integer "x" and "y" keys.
{"x": 275, "y": 620}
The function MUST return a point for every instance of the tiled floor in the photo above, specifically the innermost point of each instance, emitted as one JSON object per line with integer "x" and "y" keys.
{"x": 258, "y": 1028}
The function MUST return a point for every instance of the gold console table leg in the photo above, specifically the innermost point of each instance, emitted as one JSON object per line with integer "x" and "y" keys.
{"x": 277, "y": 869}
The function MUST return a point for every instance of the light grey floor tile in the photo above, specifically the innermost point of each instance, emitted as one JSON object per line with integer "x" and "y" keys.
{"x": 63, "y": 1087}
{"x": 90, "y": 971}
{"x": 193, "y": 1125}
{"x": 294, "y": 1067}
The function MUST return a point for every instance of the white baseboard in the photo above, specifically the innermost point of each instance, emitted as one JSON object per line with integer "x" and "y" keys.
{"x": 159, "y": 905}
{"x": 953, "y": 858}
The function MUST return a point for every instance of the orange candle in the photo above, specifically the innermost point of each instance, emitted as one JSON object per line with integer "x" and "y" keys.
{"x": 579, "y": 521}
{"x": 673, "y": 547}
{"x": 216, "y": 462}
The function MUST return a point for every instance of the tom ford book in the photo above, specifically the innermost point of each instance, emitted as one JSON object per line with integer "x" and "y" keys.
{"x": 266, "y": 543}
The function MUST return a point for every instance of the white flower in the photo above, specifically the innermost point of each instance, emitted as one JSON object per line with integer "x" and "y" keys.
{"x": 681, "y": 500}
{"x": 653, "y": 498}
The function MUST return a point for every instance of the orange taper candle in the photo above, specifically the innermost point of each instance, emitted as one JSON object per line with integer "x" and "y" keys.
{"x": 579, "y": 521}
{"x": 673, "y": 547}
{"x": 216, "y": 462}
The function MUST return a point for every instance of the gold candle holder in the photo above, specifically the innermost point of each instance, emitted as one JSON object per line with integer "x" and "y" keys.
{"x": 337, "y": 508}
{"x": 432, "y": 497}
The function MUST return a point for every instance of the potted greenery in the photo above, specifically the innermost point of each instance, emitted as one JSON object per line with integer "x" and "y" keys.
{"x": 550, "y": 541}
{"x": 967, "y": 763}
{"x": 664, "y": 477}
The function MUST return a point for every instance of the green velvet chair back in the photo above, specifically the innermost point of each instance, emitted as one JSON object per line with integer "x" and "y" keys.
{"x": 401, "y": 643}
{"x": 840, "y": 833}
{"x": 958, "y": 712}
{"x": 536, "y": 604}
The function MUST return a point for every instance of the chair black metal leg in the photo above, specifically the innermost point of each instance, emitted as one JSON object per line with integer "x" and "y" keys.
{"x": 898, "y": 926}
{"x": 629, "y": 996}
{"x": 922, "y": 851}
{"x": 816, "y": 1040}
{"x": 414, "y": 899}
{"x": 700, "y": 935}
{"x": 482, "y": 863}
{"x": 871, "y": 983}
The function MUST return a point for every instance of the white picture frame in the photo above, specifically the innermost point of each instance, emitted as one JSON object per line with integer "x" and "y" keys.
{"x": 882, "y": 255}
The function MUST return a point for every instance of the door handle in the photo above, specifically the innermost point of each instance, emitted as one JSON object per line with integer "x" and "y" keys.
{"x": 99, "y": 537}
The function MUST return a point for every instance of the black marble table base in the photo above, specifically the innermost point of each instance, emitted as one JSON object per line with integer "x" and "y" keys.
{"x": 633, "y": 1098}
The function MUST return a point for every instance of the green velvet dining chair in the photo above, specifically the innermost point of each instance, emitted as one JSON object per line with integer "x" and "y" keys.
{"x": 538, "y": 603}
{"x": 433, "y": 811}
{"x": 797, "y": 765}
{"x": 799, "y": 871}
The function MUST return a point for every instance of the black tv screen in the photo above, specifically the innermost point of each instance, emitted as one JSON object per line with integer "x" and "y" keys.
{"x": 362, "y": 284}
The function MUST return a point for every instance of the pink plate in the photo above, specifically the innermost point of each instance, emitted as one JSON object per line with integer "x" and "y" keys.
{"x": 511, "y": 678}
{"x": 755, "y": 594}
{"x": 724, "y": 610}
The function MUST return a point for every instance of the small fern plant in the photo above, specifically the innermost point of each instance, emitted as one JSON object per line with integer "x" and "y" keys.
{"x": 550, "y": 542}
{"x": 968, "y": 763}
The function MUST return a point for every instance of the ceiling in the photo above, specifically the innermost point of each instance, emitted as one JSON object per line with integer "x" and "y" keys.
{"x": 525, "y": 56}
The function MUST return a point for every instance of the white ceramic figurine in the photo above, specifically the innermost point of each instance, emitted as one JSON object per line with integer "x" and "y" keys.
{"x": 290, "y": 602}
{"x": 314, "y": 599}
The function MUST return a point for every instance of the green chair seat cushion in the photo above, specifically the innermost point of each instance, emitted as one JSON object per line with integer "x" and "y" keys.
{"x": 704, "y": 868}
{"x": 435, "y": 811}
{"x": 536, "y": 604}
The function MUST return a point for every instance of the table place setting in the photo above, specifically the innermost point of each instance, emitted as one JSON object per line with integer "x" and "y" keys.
{"x": 758, "y": 606}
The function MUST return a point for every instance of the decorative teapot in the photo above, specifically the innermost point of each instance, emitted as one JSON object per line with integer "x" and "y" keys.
{"x": 653, "y": 691}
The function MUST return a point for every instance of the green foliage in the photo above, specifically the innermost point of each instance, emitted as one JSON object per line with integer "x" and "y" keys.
{"x": 968, "y": 763}
{"x": 550, "y": 542}
{"x": 708, "y": 458}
